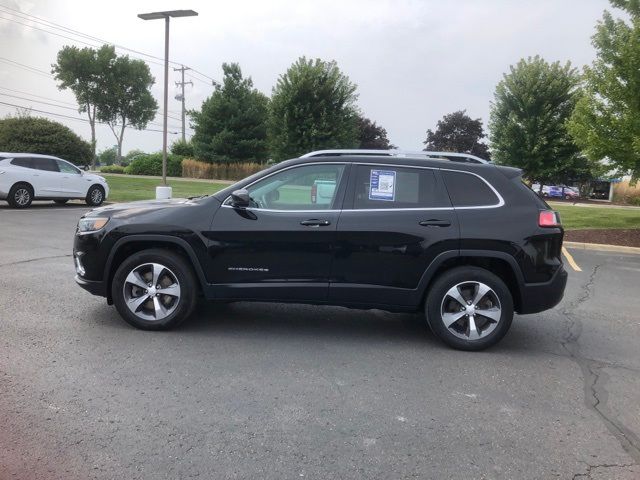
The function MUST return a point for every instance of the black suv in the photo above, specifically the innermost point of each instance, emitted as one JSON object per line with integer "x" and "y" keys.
{"x": 461, "y": 238}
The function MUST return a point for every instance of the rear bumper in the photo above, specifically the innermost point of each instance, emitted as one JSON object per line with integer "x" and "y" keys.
{"x": 538, "y": 297}
{"x": 92, "y": 286}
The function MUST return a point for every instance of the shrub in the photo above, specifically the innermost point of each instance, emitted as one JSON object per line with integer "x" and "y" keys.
{"x": 112, "y": 169}
{"x": 182, "y": 148}
{"x": 108, "y": 156}
{"x": 219, "y": 171}
{"x": 151, "y": 164}
{"x": 624, "y": 192}
{"x": 40, "y": 135}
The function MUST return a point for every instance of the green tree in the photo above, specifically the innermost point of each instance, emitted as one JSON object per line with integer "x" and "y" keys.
{"x": 182, "y": 148}
{"x": 130, "y": 156}
{"x": 108, "y": 156}
{"x": 231, "y": 126}
{"x": 83, "y": 72}
{"x": 371, "y": 135}
{"x": 44, "y": 136}
{"x": 529, "y": 114}
{"x": 606, "y": 120}
{"x": 127, "y": 99}
{"x": 458, "y": 132}
{"x": 312, "y": 107}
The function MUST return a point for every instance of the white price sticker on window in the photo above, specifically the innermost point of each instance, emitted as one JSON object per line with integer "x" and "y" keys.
{"x": 382, "y": 185}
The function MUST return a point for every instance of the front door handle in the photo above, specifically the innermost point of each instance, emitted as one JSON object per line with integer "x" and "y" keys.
{"x": 434, "y": 222}
{"x": 315, "y": 223}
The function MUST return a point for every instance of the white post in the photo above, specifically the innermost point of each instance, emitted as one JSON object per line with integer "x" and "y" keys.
{"x": 611, "y": 191}
{"x": 164, "y": 191}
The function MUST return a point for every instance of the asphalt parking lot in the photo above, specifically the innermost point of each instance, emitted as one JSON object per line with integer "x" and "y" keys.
{"x": 290, "y": 391}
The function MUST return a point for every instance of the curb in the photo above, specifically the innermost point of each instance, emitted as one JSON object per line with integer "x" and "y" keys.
{"x": 602, "y": 247}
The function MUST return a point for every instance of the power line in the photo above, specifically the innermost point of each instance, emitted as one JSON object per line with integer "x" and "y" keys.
{"x": 24, "y": 67}
{"x": 57, "y": 26}
{"x": 37, "y": 96}
{"x": 74, "y": 118}
{"x": 67, "y": 108}
{"x": 38, "y": 101}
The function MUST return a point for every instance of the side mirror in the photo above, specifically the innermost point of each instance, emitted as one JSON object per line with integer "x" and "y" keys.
{"x": 240, "y": 198}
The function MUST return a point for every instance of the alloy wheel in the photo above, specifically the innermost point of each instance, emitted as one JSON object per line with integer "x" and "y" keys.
{"x": 151, "y": 291}
{"x": 470, "y": 310}
{"x": 22, "y": 196}
{"x": 96, "y": 195}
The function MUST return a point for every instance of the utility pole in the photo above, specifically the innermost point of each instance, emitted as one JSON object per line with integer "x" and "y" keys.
{"x": 181, "y": 96}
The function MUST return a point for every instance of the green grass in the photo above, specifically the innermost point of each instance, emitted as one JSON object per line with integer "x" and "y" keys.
{"x": 126, "y": 189}
{"x": 597, "y": 217}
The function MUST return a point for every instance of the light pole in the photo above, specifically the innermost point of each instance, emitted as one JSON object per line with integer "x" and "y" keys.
{"x": 165, "y": 191}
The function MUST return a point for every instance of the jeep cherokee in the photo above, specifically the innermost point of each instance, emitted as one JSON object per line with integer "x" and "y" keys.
{"x": 458, "y": 237}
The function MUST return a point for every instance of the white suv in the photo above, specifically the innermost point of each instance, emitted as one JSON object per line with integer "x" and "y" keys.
{"x": 25, "y": 177}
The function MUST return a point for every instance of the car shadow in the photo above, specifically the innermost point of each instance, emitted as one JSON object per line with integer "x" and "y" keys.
{"x": 45, "y": 204}
{"x": 288, "y": 323}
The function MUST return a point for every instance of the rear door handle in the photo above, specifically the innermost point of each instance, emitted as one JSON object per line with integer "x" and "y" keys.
{"x": 434, "y": 222}
{"x": 315, "y": 223}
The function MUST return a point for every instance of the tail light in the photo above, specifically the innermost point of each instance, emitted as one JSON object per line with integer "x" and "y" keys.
{"x": 314, "y": 193}
{"x": 548, "y": 218}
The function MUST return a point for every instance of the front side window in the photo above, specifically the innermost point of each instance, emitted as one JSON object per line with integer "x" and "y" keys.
{"x": 47, "y": 164}
{"x": 66, "y": 167}
{"x": 309, "y": 187}
{"x": 388, "y": 187}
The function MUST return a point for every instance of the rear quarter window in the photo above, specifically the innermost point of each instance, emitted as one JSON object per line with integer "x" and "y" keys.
{"x": 468, "y": 190}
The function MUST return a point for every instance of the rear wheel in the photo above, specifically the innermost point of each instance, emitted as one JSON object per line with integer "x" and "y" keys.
{"x": 469, "y": 308}
{"x": 95, "y": 196}
{"x": 20, "y": 195}
{"x": 154, "y": 289}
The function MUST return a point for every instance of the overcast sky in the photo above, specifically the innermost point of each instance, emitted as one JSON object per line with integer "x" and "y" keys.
{"x": 413, "y": 61}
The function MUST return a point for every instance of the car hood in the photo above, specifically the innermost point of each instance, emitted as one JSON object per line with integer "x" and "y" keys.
{"x": 140, "y": 208}
{"x": 93, "y": 177}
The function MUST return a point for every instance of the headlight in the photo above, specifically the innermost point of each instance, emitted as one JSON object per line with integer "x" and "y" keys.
{"x": 87, "y": 225}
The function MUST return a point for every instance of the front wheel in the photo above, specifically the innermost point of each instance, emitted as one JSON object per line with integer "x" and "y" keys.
{"x": 469, "y": 308}
{"x": 20, "y": 196}
{"x": 95, "y": 196}
{"x": 154, "y": 289}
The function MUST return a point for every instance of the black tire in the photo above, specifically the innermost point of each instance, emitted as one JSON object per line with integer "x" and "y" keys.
{"x": 20, "y": 195}
{"x": 177, "y": 266}
{"x": 95, "y": 196}
{"x": 438, "y": 302}
{"x": 61, "y": 201}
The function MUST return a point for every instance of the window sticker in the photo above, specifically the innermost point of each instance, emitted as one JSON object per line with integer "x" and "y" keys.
{"x": 382, "y": 185}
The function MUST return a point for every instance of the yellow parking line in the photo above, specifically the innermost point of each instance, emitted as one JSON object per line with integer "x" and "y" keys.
{"x": 571, "y": 261}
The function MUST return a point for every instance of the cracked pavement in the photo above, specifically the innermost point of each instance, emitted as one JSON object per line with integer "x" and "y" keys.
{"x": 291, "y": 391}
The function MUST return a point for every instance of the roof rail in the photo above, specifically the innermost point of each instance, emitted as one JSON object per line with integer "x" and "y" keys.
{"x": 452, "y": 156}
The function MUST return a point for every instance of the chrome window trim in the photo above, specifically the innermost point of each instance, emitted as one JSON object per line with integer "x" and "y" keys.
{"x": 500, "y": 203}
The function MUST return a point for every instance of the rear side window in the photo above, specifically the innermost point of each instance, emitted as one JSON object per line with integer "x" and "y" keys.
{"x": 467, "y": 190}
{"x": 48, "y": 164}
{"x": 22, "y": 162}
{"x": 379, "y": 186}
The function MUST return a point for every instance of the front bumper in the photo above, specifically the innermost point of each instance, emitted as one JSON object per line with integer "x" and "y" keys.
{"x": 538, "y": 297}
{"x": 94, "y": 287}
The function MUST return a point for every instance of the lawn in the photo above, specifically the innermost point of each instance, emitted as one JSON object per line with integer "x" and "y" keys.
{"x": 126, "y": 189}
{"x": 597, "y": 217}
